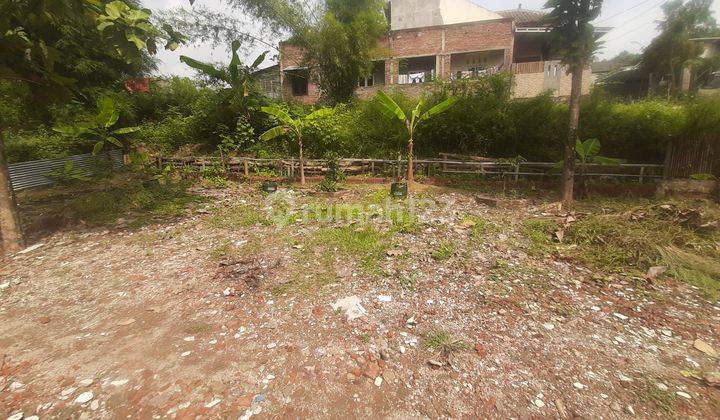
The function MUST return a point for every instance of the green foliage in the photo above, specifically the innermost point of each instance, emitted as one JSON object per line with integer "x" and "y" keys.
{"x": 127, "y": 27}
{"x": 539, "y": 233}
{"x": 342, "y": 45}
{"x": 633, "y": 238}
{"x": 637, "y": 131}
{"x": 443, "y": 342}
{"x": 69, "y": 174}
{"x": 23, "y": 146}
{"x": 60, "y": 45}
{"x": 673, "y": 49}
{"x": 573, "y": 36}
{"x": 702, "y": 271}
{"x": 333, "y": 176}
{"x": 366, "y": 244}
{"x": 238, "y": 217}
{"x": 98, "y": 128}
{"x": 129, "y": 198}
{"x": 444, "y": 251}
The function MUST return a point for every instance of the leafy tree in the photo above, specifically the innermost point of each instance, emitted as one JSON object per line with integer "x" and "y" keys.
{"x": 99, "y": 128}
{"x": 391, "y": 110}
{"x": 49, "y": 45}
{"x": 341, "y": 46}
{"x": 670, "y": 52}
{"x": 573, "y": 38}
{"x": 293, "y": 128}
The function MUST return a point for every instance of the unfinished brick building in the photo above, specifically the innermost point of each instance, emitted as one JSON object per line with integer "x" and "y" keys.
{"x": 448, "y": 39}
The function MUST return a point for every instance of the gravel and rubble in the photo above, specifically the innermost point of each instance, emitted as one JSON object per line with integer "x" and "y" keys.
{"x": 194, "y": 318}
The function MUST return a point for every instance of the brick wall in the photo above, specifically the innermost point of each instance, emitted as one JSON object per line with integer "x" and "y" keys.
{"x": 294, "y": 56}
{"x": 477, "y": 36}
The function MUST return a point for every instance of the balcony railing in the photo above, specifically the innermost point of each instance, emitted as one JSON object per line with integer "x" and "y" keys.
{"x": 416, "y": 77}
{"x": 551, "y": 68}
{"x": 471, "y": 74}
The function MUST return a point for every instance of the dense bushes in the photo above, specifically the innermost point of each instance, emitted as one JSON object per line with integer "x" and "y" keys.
{"x": 180, "y": 115}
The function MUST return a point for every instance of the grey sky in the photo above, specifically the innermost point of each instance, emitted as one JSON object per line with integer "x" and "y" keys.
{"x": 634, "y": 23}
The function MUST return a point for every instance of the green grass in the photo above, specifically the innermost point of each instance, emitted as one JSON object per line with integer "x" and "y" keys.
{"x": 664, "y": 401}
{"x": 444, "y": 251}
{"x": 700, "y": 271}
{"x": 135, "y": 199}
{"x": 538, "y": 232}
{"x": 238, "y": 217}
{"x": 364, "y": 244}
{"x": 443, "y": 342}
{"x": 477, "y": 226}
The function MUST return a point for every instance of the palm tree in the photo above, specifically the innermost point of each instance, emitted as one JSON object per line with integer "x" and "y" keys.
{"x": 573, "y": 38}
{"x": 390, "y": 109}
{"x": 293, "y": 128}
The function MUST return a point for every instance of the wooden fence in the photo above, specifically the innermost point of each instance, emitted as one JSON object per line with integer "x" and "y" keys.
{"x": 290, "y": 168}
{"x": 684, "y": 160}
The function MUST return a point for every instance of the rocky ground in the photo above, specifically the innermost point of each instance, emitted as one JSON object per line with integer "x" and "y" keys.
{"x": 255, "y": 306}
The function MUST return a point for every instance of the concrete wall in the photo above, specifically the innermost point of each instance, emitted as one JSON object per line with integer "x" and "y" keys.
{"x": 529, "y": 85}
{"x": 408, "y": 14}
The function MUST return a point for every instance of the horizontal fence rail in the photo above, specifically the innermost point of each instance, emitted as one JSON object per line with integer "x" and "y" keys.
{"x": 248, "y": 167}
{"x": 38, "y": 173}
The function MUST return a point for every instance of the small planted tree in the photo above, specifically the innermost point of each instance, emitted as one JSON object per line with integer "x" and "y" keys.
{"x": 100, "y": 127}
{"x": 587, "y": 153}
{"x": 391, "y": 110}
{"x": 292, "y": 128}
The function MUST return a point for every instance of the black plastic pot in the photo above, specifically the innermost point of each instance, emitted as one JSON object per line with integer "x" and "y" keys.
{"x": 269, "y": 186}
{"x": 399, "y": 190}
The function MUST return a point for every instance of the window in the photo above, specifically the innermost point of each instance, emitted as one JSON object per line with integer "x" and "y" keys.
{"x": 299, "y": 84}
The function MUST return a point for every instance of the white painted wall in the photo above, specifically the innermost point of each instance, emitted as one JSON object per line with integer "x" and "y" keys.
{"x": 408, "y": 14}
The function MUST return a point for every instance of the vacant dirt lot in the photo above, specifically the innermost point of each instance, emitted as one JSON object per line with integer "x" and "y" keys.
{"x": 230, "y": 309}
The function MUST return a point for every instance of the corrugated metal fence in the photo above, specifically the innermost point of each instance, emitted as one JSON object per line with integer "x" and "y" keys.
{"x": 37, "y": 173}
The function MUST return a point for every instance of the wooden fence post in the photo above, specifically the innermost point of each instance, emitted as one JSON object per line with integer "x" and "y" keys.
{"x": 246, "y": 168}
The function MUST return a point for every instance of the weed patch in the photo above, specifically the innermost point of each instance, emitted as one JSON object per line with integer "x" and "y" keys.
{"x": 238, "y": 217}
{"x": 134, "y": 199}
{"x": 700, "y": 271}
{"x": 443, "y": 342}
{"x": 539, "y": 234}
{"x": 445, "y": 251}
{"x": 663, "y": 400}
{"x": 365, "y": 244}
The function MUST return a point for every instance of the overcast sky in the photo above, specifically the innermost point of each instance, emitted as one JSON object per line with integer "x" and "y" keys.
{"x": 634, "y": 23}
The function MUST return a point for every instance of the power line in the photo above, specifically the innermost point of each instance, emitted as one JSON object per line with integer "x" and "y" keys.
{"x": 624, "y": 11}
{"x": 661, "y": 2}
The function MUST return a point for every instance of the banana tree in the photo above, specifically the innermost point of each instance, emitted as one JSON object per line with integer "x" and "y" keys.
{"x": 587, "y": 153}
{"x": 99, "y": 128}
{"x": 391, "y": 110}
{"x": 293, "y": 128}
{"x": 236, "y": 75}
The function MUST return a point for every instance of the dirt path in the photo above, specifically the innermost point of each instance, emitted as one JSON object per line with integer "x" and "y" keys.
{"x": 218, "y": 317}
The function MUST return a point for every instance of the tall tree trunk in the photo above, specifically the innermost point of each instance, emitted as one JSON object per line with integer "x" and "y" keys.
{"x": 10, "y": 228}
{"x": 410, "y": 176}
{"x": 568, "y": 176}
{"x": 302, "y": 164}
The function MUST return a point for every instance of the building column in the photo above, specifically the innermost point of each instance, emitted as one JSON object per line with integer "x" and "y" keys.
{"x": 391, "y": 71}
{"x": 444, "y": 66}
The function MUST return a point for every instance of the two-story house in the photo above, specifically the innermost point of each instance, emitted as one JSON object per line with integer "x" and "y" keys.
{"x": 448, "y": 39}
